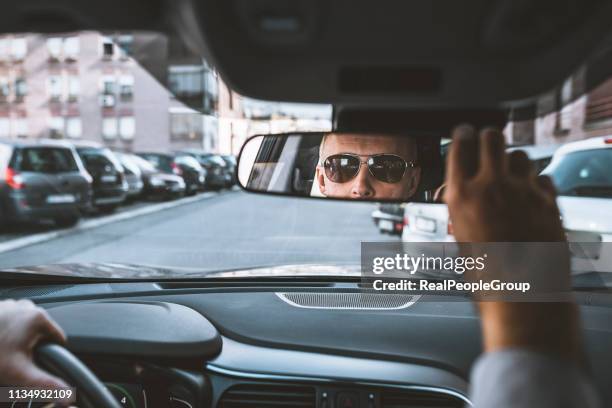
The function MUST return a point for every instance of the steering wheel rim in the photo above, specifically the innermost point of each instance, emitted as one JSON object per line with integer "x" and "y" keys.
{"x": 62, "y": 363}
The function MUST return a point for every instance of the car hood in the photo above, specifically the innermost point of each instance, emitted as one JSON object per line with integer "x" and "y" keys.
{"x": 586, "y": 214}
{"x": 130, "y": 271}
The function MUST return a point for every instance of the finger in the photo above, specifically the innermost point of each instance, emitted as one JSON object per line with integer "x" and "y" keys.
{"x": 492, "y": 155}
{"x": 48, "y": 328}
{"x": 519, "y": 164}
{"x": 462, "y": 157}
{"x": 547, "y": 186}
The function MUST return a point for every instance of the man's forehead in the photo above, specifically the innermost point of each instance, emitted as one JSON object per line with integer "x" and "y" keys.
{"x": 367, "y": 143}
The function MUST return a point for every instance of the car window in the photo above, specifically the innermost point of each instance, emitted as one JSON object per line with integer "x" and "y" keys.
{"x": 161, "y": 162}
{"x": 143, "y": 164}
{"x": 45, "y": 160}
{"x": 586, "y": 173}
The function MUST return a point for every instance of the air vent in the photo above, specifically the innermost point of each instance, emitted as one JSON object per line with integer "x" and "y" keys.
{"x": 419, "y": 399}
{"x": 268, "y": 396}
{"x": 348, "y": 300}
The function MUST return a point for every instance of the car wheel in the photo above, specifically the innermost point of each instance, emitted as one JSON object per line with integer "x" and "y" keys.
{"x": 66, "y": 221}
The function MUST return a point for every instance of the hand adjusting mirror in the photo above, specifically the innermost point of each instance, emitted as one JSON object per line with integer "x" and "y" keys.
{"x": 342, "y": 165}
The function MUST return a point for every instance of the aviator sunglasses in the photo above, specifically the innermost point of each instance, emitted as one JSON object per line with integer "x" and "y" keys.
{"x": 388, "y": 168}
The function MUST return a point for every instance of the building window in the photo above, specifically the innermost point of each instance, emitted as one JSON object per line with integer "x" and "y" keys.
{"x": 108, "y": 85}
{"x": 108, "y": 48}
{"x": 126, "y": 87}
{"x": 54, "y": 46}
{"x": 186, "y": 126}
{"x": 72, "y": 47}
{"x": 19, "y": 48}
{"x": 21, "y": 127}
{"x": 186, "y": 80}
{"x": 5, "y": 44}
{"x": 54, "y": 87}
{"x": 127, "y": 127}
{"x": 125, "y": 43}
{"x": 74, "y": 128}
{"x": 56, "y": 127}
{"x": 21, "y": 89}
{"x": 109, "y": 128}
{"x": 74, "y": 88}
{"x": 5, "y": 89}
{"x": 5, "y": 127}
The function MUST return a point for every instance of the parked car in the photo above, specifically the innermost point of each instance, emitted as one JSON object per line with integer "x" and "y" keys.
{"x": 540, "y": 156}
{"x": 156, "y": 183}
{"x": 133, "y": 176}
{"x": 218, "y": 172}
{"x": 582, "y": 173}
{"x": 42, "y": 180}
{"x": 181, "y": 165}
{"x": 232, "y": 164}
{"x": 110, "y": 187}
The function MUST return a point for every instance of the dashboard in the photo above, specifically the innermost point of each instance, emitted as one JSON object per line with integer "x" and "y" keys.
{"x": 282, "y": 344}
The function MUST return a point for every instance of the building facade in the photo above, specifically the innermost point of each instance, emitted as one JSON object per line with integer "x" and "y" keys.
{"x": 96, "y": 87}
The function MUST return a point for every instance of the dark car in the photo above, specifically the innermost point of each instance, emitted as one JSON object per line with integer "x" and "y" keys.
{"x": 217, "y": 172}
{"x": 181, "y": 165}
{"x": 133, "y": 175}
{"x": 156, "y": 183}
{"x": 231, "y": 165}
{"x": 42, "y": 180}
{"x": 109, "y": 185}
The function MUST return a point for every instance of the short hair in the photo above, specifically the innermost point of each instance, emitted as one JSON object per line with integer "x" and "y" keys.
{"x": 326, "y": 134}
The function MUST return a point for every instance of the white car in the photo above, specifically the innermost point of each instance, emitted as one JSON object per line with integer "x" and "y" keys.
{"x": 582, "y": 173}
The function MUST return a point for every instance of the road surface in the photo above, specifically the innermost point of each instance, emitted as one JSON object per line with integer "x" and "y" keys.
{"x": 229, "y": 230}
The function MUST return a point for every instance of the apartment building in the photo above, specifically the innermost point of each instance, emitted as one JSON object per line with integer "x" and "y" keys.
{"x": 105, "y": 88}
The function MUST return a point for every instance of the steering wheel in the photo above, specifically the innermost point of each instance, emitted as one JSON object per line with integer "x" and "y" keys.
{"x": 62, "y": 363}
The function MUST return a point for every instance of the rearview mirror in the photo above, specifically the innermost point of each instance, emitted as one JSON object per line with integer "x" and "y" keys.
{"x": 351, "y": 166}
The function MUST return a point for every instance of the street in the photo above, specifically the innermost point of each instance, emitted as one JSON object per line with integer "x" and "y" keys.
{"x": 232, "y": 229}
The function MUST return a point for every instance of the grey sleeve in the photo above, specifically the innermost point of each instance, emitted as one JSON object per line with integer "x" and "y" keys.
{"x": 521, "y": 378}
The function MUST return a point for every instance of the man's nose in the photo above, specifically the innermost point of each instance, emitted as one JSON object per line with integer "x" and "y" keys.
{"x": 362, "y": 188}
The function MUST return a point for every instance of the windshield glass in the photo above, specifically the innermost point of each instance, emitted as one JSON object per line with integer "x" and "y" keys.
{"x": 108, "y": 89}
{"x": 45, "y": 160}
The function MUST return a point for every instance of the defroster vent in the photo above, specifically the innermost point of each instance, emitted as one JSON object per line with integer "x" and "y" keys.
{"x": 348, "y": 300}
{"x": 268, "y": 396}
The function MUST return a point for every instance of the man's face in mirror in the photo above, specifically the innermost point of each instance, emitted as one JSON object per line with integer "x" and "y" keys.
{"x": 368, "y": 166}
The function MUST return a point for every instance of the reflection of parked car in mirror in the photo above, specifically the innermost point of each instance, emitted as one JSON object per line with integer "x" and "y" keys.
{"x": 185, "y": 166}
{"x": 42, "y": 180}
{"x": 582, "y": 174}
{"x": 158, "y": 184}
{"x": 109, "y": 185}
{"x": 133, "y": 175}
{"x": 389, "y": 218}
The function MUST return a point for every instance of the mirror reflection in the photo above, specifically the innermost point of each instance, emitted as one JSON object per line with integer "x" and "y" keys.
{"x": 358, "y": 166}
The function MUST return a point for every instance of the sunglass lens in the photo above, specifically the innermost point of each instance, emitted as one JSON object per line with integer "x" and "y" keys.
{"x": 387, "y": 168}
{"x": 341, "y": 168}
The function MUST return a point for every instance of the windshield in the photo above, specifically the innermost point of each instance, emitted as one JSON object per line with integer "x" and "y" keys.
{"x": 586, "y": 173}
{"x": 107, "y": 89}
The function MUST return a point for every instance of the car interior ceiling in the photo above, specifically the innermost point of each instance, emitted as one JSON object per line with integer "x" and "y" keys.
{"x": 234, "y": 343}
